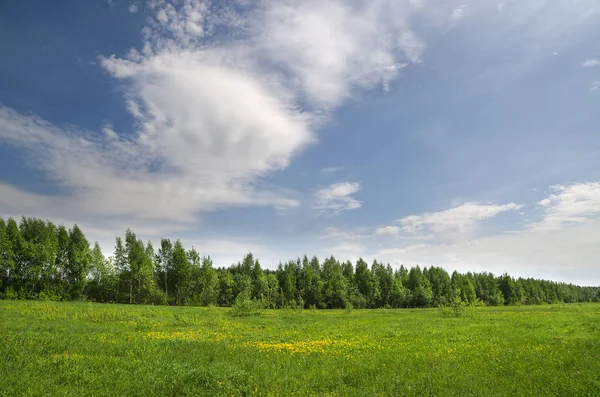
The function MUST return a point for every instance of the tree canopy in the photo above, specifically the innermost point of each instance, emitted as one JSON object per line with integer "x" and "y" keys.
{"x": 39, "y": 260}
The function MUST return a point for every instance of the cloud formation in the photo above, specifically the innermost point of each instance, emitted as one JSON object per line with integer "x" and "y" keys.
{"x": 561, "y": 244}
{"x": 337, "y": 197}
{"x": 459, "y": 12}
{"x": 332, "y": 170}
{"x": 569, "y": 205}
{"x": 113, "y": 176}
{"x": 387, "y": 230}
{"x": 216, "y": 113}
{"x": 590, "y": 63}
{"x": 225, "y": 94}
{"x": 463, "y": 219}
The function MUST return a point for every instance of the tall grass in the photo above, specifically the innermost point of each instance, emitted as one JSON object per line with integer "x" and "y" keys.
{"x": 83, "y": 349}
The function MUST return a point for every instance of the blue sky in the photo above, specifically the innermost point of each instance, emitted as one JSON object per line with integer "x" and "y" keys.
{"x": 454, "y": 133}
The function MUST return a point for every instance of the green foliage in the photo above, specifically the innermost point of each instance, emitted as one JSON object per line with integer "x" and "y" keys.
{"x": 180, "y": 272}
{"x": 49, "y": 295}
{"x": 103, "y": 281}
{"x": 458, "y": 308}
{"x": 335, "y": 289}
{"x": 79, "y": 259}
{"x": 39, "y": 260}
{"x": 245, "y": 306}
{"x": 9, "y": 294}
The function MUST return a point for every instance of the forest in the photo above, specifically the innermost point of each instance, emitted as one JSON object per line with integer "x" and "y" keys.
{"x": 45, "y": 261}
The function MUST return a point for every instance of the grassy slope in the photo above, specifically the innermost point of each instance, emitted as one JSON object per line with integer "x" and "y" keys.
{"x": 78, "y": 349}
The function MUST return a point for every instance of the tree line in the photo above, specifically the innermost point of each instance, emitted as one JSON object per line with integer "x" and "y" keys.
{"x": 41, "y": 260}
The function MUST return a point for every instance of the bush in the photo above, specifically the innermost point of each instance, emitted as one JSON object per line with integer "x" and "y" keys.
{"x": 244, "y": 306}
{"x": 49, "y": 295}
{"x": 10, "y": 294}
{"x": 348, "y": 306}
{"x": 356, "y": 300}
{"x": 458, "y": 308}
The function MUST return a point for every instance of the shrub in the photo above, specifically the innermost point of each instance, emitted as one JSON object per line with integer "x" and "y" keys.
{"x": 244, "y": 306}
{"x": 348, "y": 306}
{"x": 458, "y": 308}
{"x": 49, "y": 295}
{"x": 10, "y": 294}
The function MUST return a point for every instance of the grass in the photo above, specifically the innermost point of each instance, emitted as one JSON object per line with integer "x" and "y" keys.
{"x": 82, "y": 349}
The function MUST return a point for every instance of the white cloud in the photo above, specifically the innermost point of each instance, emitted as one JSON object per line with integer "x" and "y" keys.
{"x": 115, "y": 176}
{"x": 214, "y": 115}
{"x": 413, "y": 46}
{"x": 338, "y": 197}
{"x": 110, "y": 132}
{"x": 568, "y": 255}
{"x": 332, "y": 170}
{"x": 562, "y": 245}
{"x": 463, "y": 219}
{"x": 387, "y": 230}
{"x": 595, "y": 86}
{"x": 569, "y": 205}
{"x": 334, "y": 233}
{"x": 459, "y": 12}
{"x": 590, "y": 63}
{"x": 331, "y": 47}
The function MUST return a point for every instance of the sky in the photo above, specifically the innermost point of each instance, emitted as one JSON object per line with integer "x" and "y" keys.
{"x": 462, "y": 134}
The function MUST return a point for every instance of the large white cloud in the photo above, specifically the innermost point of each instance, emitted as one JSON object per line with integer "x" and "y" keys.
{"x": 225, "y": 93}
{"x": 214, "y": 112}
{"x": 114, "y": 176}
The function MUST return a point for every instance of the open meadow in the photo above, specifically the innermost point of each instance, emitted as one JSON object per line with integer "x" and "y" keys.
{"x": 84, "y": 349}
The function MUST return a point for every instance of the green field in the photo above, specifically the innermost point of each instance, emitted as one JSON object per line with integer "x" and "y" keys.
{"x": 80, "y": 349}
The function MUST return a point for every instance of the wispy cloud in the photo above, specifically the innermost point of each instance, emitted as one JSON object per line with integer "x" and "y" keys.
{"x": 414, "y": 47}
{"x": 334, "y": 233}
{"x": 459, "y": 12}
{"x": 569, "y": 254}
{"x": 463, "y": 219}
{"x": 562, "y": 244}
{"x": 590, "y": 63}
{"x": 338, "y": 197}
{"x": 332, "y": 170}
{"x": 387, "y": 230}
{"x": 595, "y": 86}
{"x": 133, "y": 8}
{"x": 569, "y": 205}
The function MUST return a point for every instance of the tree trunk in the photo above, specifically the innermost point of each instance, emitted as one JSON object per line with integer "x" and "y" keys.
{"x": 166, "y": 290}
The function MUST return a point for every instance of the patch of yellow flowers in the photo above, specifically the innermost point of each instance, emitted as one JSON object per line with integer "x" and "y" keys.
{"x": 302, "y": 347}
{"x": 185, "y": 335}
{"x": 329, "y": 345}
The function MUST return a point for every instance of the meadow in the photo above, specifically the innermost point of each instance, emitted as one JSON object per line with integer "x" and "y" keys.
{"x": 89, "y": 349}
